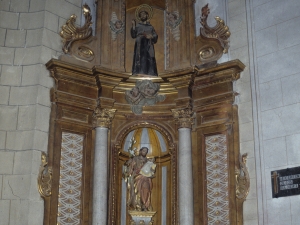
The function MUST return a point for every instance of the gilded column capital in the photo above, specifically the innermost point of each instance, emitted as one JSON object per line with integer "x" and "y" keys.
{"x": 184, "y": 117}
{"x": 102, "y": 117}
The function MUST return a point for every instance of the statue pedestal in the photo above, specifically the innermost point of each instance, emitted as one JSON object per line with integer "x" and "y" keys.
{"x": 141, "y": 217}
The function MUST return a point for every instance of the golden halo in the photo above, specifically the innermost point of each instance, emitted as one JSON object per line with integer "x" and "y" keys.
{"x": 144, "y": 7}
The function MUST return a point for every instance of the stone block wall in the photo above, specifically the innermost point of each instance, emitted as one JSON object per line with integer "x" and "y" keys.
{"x": 276, "y": 56}
{"x": 28, "y": 39}
{"x": 265, "y": 38}
{"x": 239, "y": 49}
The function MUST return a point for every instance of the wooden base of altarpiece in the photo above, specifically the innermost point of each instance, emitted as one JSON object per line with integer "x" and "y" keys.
{"x": 215, "y": 140}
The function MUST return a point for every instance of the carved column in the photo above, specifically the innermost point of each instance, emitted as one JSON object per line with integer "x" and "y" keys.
{"x": 102, "y": 120}
{"x": 184, "y": 120}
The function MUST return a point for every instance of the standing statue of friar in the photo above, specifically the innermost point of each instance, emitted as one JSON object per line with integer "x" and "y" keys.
{"x": 138, "y": 173}
{"x": 145, "y": 37}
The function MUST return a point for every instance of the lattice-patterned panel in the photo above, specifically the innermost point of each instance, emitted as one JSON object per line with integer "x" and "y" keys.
{"x": 217, "y": 180}
{"x": 70, "y": 182}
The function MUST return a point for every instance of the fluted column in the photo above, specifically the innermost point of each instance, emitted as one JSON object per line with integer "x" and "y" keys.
{"x": 184, "y": 120}
{"x": 102, "y": 120}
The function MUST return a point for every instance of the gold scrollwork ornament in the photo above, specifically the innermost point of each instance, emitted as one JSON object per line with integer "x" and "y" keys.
{"x": 70, "y": 32}
{"x": 220, "y": 31}
{"x": 242, "y": 178}
{"x": 213, "y": 41}
{"x": 44, "y": 177}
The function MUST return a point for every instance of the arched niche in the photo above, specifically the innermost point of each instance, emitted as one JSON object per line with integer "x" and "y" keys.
{"x": 161, "y": 146}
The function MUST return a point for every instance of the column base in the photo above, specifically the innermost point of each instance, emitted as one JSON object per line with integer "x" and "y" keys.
{"x": 141, "y": 217}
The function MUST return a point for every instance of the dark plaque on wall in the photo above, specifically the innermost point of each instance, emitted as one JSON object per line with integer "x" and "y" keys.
{"x": 285, "y": 182}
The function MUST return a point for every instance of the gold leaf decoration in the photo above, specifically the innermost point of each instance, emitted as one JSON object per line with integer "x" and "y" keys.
{"x": 70, "y": 32}
{"x": 220, "y": 31}
{"x": 242, "y": 178}
{"x": 44, "y": 177}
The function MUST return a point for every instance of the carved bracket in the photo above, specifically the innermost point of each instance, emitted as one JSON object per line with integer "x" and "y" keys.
{"x": 44, "y": 177}
{"x": 70, "y": 32}
{"x": 242, "y": 179}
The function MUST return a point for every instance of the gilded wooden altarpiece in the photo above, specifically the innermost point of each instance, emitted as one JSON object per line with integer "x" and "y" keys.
{"x": 198, "y": 92}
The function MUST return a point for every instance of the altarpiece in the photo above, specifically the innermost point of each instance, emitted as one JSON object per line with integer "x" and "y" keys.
{"x": 143, "y": 128}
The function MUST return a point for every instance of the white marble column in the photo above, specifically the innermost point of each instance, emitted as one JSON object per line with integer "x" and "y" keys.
{"x": 102, "y": 121}
{"x": 184, "y": 120}
{"x": 185, "y": 178}
{"x": 100, "y": 177}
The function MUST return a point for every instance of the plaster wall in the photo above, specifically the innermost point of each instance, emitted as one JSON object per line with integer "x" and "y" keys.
{"x": 28, "y": 39}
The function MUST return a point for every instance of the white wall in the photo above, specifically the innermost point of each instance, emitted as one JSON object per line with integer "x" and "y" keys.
{"x": 28, "y": 39}
{"x": 239, "y": 49}
{"x": 275, "y": 84}
{"x": 265, "y": 36}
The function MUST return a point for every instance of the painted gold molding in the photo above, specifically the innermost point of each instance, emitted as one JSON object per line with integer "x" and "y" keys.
{"x": 45, "y": 177}
{"x": 242, "y": 179}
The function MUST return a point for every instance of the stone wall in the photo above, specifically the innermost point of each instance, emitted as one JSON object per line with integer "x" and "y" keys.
{"x": 265, "y": 36}
{"x": 28, "y": 39}
{"x": 275, "y": 86}
{"x": 239, "y": 49}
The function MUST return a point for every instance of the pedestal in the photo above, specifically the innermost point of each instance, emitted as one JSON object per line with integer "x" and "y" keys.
{"x": 141, "y": 217}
